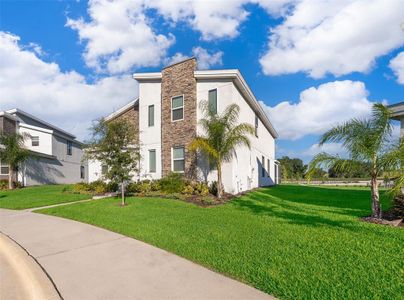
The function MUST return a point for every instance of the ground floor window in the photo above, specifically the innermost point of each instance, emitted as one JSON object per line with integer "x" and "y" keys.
{"x": 82, "y": 172}
{"x": 152, "y": 160}
{"x": 4, "y": 169}
{"x": 178, "y": 163}
{"x": 269, "y": 167}
{"x": 263, "y": 167}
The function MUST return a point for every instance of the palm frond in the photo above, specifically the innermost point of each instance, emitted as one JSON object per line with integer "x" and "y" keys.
{"x": 327, "y": 161}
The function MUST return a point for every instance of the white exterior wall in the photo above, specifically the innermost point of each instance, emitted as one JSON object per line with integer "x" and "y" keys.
{"x": 94, "y": 170}
{"x": 244, "y": 172}
{"x": 44, "y": 135}
{"x": 149, "y": 137}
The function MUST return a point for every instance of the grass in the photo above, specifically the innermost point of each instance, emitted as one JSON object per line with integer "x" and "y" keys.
{"x": 38, "y": 196}
{"x": 294, "y": 242}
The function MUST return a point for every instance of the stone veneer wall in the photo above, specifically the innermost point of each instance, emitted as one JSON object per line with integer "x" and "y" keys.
{"x": 132, "y": 116}
{"x": 178, "y": 79}
{"x": 7, "y": 125}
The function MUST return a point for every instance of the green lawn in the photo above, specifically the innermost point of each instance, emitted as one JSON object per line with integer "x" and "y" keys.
{"x": 294, "y": 242}
{"x": 38, "y": 196}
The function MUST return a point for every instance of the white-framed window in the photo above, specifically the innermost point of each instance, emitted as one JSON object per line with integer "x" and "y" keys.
{"x": 34, "y": 141}
{"x": 212, "y": 96}
{"x": 69, "y": 148}
{"x": 151, "y": 115}
{"x": 152, "y": 160}
{"x": 82, "y": 172}
{"x": 177, "y": 108}
{"x": 4, "y": 169}
{"x": 178, "y": 161}
{"x": 256, "y": 125}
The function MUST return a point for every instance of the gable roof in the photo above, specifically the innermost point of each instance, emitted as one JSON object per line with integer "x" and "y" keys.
{"x": 122, "y": 110}
{"x": 236, "y": 77}
{"x": 17, "y": 111}
{"x": 397, "y": 110}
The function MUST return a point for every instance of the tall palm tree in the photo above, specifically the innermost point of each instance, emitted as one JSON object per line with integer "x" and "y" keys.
{"x": 366, "y": 141}
{"x": 223, "y": 134}
{"x": 12, "y": 152}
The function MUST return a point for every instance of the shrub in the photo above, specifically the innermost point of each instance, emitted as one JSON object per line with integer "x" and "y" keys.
{"x": 98, "y": 187}
{"x": 82, "y": 187}
{"x": 145, "y": 187}
{"x": 112, "y": 187}
{"x": 3, "y": 184}
{"x": 133, "y": 187}
{"x": 213, "y": 188}
{"x": 201, "y": 189}
{"x": 188, "y": 190}
{"x": 172, "y": 183}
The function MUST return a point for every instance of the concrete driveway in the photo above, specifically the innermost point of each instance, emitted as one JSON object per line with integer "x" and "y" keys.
{"x": 86, "y": 262}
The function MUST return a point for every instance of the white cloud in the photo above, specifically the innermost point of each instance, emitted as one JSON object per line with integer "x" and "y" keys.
{"x": 62, "y": 98}
{"x": 330, "y": 148}
{"x": 397, "y": 65}
{"x": 214, "y": 19}
{"x": 119, "y": 36}
{"x": 206, "y": 59}
{"x": 318, "y": 109}
{"x": 338, "y": 37}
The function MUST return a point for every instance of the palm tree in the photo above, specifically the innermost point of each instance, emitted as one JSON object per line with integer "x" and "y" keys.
{"x": 366, "y": 141}
{"x": 222, "y": 135}
{"x": 13, "y": 153}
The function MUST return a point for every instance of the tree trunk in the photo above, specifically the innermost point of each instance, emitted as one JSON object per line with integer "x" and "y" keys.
{"x": 219, "y": 181}
{"x": 376, "y": 208}
{"x": 123, "y": 193}
{"x": 10, "y": 177}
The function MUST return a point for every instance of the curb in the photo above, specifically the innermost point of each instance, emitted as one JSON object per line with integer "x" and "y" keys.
{"x": 34, "y": 280}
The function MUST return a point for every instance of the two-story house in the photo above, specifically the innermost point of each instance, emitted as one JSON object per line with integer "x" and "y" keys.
{"x": 56, "y": 155}
{"x": 166, "y": 116}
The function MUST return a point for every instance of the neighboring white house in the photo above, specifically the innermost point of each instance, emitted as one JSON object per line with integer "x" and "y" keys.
{"x": 166, "y": 116}
{"x": 56, "y": 154}
{"x": 398, "y": 114}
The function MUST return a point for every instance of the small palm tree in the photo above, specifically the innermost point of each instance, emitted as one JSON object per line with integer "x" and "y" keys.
{"x": 12, "y": 152}
{"x": 366, "y": 141}
{"x": 222, "y": 135}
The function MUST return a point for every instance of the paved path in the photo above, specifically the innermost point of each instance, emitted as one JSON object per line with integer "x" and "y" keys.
{"x": 86, "y": 262}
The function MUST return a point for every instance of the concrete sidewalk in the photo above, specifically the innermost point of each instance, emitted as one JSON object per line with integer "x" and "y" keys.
{"x": 86, "y": 262}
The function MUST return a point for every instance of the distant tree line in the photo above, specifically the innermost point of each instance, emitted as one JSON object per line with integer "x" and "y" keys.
{"x": 295, "y": 169}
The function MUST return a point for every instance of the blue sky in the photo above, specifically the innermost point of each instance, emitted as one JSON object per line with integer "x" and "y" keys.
{"x": 311, "y": 64}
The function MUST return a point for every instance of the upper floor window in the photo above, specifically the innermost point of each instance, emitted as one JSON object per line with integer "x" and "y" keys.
{"x": 35, "y": 141}
{"x": 69, "y": 147}
{"x": 152, "y": 160}
{"x": 82, "y": 172}
{"x": 177, "y": 108}
{"x": 4, "y": 169}
{"x": 178, "y": 163}
{"x": 213, "y": 101}
{"x": 151, "y": 115}
{"x": 256, "y": 125}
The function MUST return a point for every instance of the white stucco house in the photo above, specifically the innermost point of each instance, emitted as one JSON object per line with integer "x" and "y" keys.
{"x": 57, "y": 157}
{"x": 167, "y": 113}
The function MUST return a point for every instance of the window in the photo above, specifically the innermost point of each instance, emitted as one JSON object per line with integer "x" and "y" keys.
{"x": 178, "y": 159}
{"x": 263, "y": 167}
{"x": 104, "y": 169}
{"x": 177, "y": 107}
{"x": 269, "y": 167}
{"x": 256, "y": 125}
{"x": 69, "y": 147}
{"x": 35, "y": 141}
{"x": 4, "y": 168}
{"x": 82, "y": 172}
{"x": 151, "y": 115}
{"x": 213, "y": 101}
{"x": 152, "y": 161}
